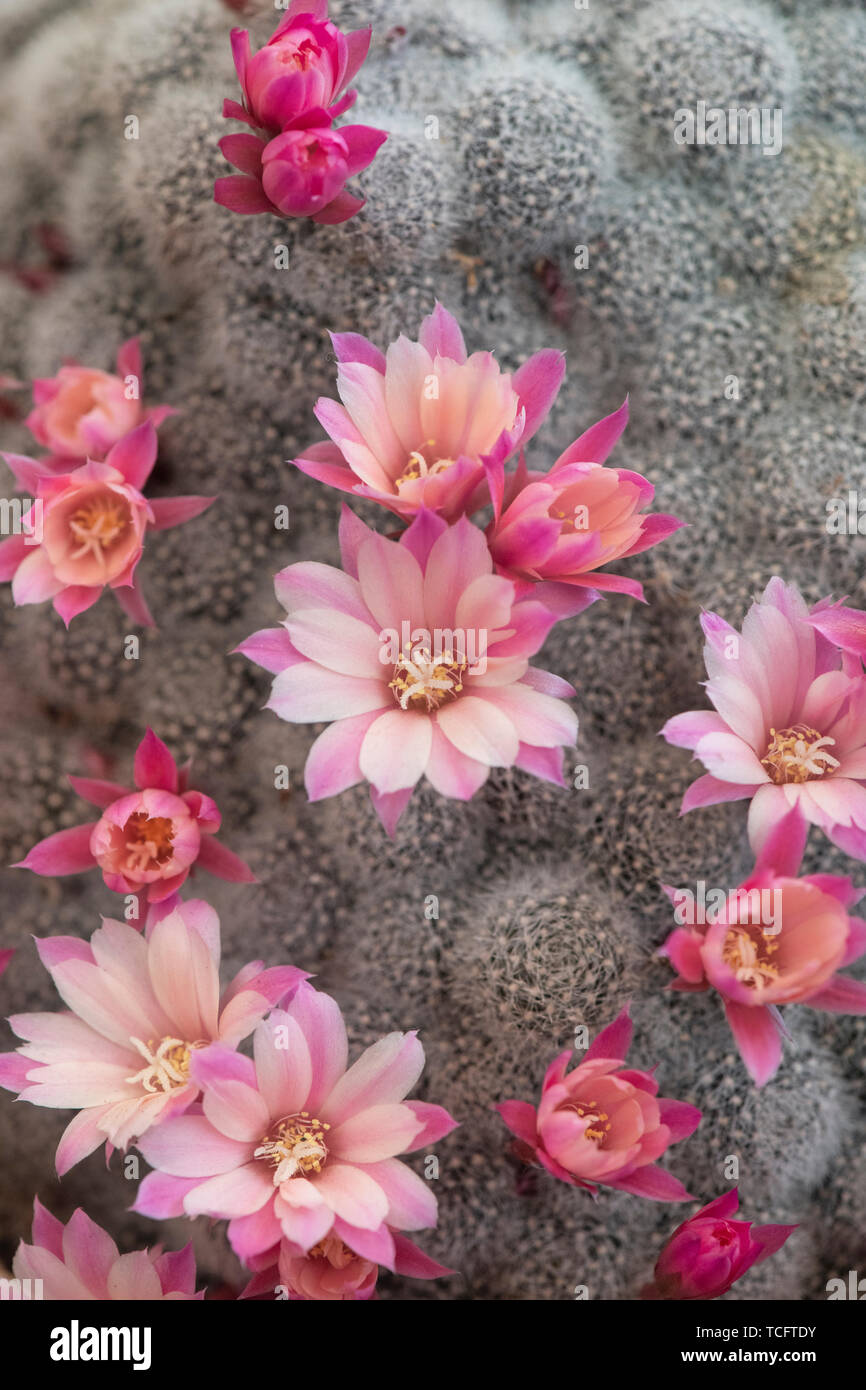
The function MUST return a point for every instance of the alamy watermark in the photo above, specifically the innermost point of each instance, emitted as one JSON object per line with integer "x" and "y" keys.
{"x": 738, "y": 125}
{"x": 420, "y": 650}
{"x": 737, "y": 906}
{"x": 21, "y": 516}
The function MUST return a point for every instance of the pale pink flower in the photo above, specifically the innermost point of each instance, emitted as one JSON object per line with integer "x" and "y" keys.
{"x": 332, "y": 1272}
{"x": 93, "y": 522}
{"x": 789, "y": 724}
{"x": 306, "y": 63}
{"x": 707, "y": 1254}
{"x": 300, "y": 173}
{"x": 293, "y": 1145}
{"x": 777, "y": 939}
{"x": 417, "y": 655}
{"x": 419, "y": 425}
{"x": 602, "y": 1123}
{"x": 556, "y": 529}
{"x": 81, "y": 413}
{"x": 142, "y": 1006}
{"x": 147, "y": 839}
{"x": 79, "y": 1262}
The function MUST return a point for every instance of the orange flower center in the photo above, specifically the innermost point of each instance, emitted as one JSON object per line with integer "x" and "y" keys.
{"x": 748, "y": 950}
{"x": 600, "y": 1125}
{"x": 334, "y": 1250}
{"x": 148, "y": 841}
{"x": 798, "y": 754}
{"x": 97, "y": 523}
{"x": 296, "y": 1147}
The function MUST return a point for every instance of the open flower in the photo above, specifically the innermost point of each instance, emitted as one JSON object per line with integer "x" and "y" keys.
{"x": 557, "y": 529}
{"x": 296, "y": 1146}
{"x": 81, "y": 413}
{"x": 300, "y": 173}
{"x": 147, "y": 839}
{"x": 80, "y": 1262}
{"x": 141, "y": 1008}
{"x": 419, "y": 425}
{"x": 419, "y": 655}
{"x": 777, "y": 939}
{"x": 789, "y": 723}
{"x": 707, "y": 1254}
{"x": 332, "y": 1272}
{"x": 602, "y": 1123}
{"x": 306, "y": 63}
{"x": 85, "y": 529}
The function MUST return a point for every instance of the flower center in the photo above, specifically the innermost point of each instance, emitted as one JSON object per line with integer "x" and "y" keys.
{"x": 417, "y": 466}
{"x": 96, "y": 524}
{"x": 600, "y": 1120}
{"x": 148, "y": 841}
{"x": 334, "y": 1250}
{"x": 167, "y": 1065}
{"x": 296, "y": 1147}
{"x": 302, "y": 56}
{"x": 747, "y": 950}
{"x": 798, "y": 754}
{"x": 423, "y": 681}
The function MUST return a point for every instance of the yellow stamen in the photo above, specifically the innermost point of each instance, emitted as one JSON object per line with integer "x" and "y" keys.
{"x": 798, "y": 754}
{"x": 96, "y": 524}
{"x": 600, "y": 1127}
{"x": 422, "y": 681}
{"x": 418, "y": 467}
{"x": 167, "y": 1065}
{"x": 296, "y": 1147}
{"x": 747, "y": 950}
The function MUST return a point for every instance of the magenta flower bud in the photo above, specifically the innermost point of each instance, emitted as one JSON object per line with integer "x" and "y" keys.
{"x": 304, "y": 170}
{"x": 298, "y": 68}
{"x": 300, "y": 173}
{"x": 306, "y": 63}
{"x": 710, "y": 1252}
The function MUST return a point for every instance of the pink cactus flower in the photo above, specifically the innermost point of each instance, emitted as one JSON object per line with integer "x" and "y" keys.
{"x": 141, "y": 1007}
{"x": 332, "y": 1272}
{"x": 707, "y": 1254}
{"x": 79, "y": 1262}
{"x": 300, "y": 173}
{"x": 293, "y": 1145}
{"x": 418, "y": 656}
{"x": 148, "y": 838}
{"x": 81, "y": 413}
{"x": 777, "y": 939}
{"x": 555, "y": 530}
{"x": 5, "y": 958}
{"x": 789, "y": 723}
{"x": 419, "y": 426}
{"x": 602, "y": 1123}
{"x": 85, "y": 529}
{"x": 306, "y": 63}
